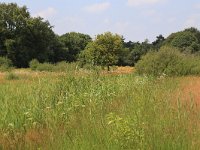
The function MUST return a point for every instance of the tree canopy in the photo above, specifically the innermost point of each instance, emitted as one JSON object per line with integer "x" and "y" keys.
{"x": 187, "y": 40}
{"x": 104, "y": 50}
{"x": 74, "y": 43}
{"x": 24, "y": 38}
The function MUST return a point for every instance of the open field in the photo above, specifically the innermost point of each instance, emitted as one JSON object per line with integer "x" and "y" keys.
{"x": 88, "y": 110}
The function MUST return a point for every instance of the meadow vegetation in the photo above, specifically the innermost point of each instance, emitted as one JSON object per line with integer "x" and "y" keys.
{"x": 55, "y": 91}
{"x": 169, "y": 61}
{"x": 96, "y": 111}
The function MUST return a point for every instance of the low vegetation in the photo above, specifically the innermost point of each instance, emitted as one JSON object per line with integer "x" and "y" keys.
{"x": 5, "y": 64}
{"x": 11, "y": 76}
{"x": 91, "y": 111}
{"x": 67, "y": 100}
{"x": 169, "y": 61}
{"x": 58, "y": 67}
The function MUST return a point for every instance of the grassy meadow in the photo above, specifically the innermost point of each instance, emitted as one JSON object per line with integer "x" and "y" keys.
{"x": 95, "y": 110}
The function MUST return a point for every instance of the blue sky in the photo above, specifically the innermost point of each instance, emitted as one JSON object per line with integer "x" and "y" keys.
{"x": 136, "y": 20}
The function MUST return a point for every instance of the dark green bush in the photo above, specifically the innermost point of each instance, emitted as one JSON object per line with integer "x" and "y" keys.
{"x": 169, "y": 61}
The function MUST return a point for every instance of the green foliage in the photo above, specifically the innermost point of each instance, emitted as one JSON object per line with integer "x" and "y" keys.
{"x": 5, "y": 64}
{"x": 133, "y": 52}
{"x": 103, "y": 51}
{"x": 66, "y": 67}
{"x": 24, "y": 38}
{"x": 74, "y": 43}
{"x": 157, "y": 44}
{"x": 169, "y": 61}
{"x": 90, "y": 112}
{"x": 45, "y": 67}
{"x": 126, "y": 132}
{"x": 34, "y": 64}
{"x": 58, "y": 67}
{"x": 187, "y": 41}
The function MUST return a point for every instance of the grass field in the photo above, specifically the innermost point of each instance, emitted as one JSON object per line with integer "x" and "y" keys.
{"x": 101, "y": 111}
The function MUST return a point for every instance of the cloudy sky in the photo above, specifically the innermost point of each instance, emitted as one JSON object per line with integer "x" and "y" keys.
{"x": 136, "y": 20}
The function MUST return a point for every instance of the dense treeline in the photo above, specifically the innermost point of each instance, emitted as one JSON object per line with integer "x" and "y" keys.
{"x": 24, "y": 38}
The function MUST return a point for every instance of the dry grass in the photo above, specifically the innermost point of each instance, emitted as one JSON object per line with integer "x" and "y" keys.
{"x": 119, "y": 71}
{"x": 190, "y": 89}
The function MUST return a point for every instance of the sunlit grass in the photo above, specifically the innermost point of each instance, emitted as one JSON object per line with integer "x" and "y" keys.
{"x": 78, "y": 110}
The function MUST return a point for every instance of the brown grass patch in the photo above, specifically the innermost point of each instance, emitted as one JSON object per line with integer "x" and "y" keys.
{"x": 119, "y": 70}
{"x": 190, "y": 89}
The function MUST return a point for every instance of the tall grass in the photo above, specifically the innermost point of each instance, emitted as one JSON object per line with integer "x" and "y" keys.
{"x": 58, "y": 67}
{"x": 96, "y": 112}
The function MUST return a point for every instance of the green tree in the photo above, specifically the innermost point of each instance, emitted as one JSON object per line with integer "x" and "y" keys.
{"x": 137, "y": 50}
{"x": 74, "y": 43}
{"x": 12, "y": 22}
{"x": 187, "y": 40}
{"x": 158, "y": 42}
{"x": 38, "y": 40}
{"x": 104, "y": 50}
{"x": 23, "y": 38}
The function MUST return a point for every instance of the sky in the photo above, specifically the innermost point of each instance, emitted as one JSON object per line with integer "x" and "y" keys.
{"x": 135, "y": 20}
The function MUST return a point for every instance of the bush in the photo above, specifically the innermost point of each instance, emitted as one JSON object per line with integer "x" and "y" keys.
{"x": 45, "y": 67}
{"x": 5, "y": 64}
{"x": 59, "y": 67}
{"x": 34, "y": 64}
{"x": 63, "y": 66}
{"x": 169, "y": 61}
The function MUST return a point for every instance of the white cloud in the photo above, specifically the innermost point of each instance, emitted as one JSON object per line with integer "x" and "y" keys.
{"x": 142, "y": 2}
{"x": 99, "y": 7}
{"x": 49, "y": 12}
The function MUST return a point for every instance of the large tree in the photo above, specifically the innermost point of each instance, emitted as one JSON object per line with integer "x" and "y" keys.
{"x": 12, "y": 22}
{"x": 23, "y": 38}
{"x": 187, "y": 40}
{"x": 158, "y": 42}
{"x": 104, "y": 50}
{"x": 74, "y": 43}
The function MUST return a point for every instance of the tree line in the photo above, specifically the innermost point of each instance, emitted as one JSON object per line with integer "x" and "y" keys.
{"x": 24, "y": 38}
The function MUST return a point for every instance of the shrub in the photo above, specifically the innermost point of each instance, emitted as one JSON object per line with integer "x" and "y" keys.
{"x": 5, "y": 64}
{"x": 59, "y": 67}
{"x": 34, "y": 64}
{"x": 63, "y": 66}
{"x": 169, "y": 61}
{"x": 45, "y": 67}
